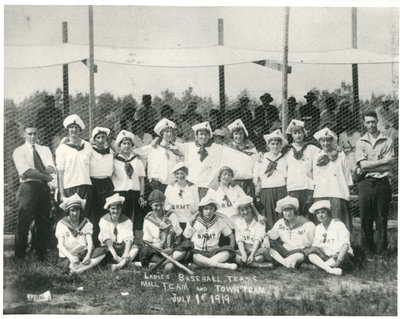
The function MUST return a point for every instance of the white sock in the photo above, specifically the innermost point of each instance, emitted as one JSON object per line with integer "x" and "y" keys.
{"x": 335, "y": 271}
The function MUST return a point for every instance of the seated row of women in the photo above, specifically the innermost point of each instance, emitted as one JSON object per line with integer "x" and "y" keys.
{"x": 291, "y": 241}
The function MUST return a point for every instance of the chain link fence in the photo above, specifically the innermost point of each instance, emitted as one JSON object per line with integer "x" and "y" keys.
{"x": 259, "y": 114}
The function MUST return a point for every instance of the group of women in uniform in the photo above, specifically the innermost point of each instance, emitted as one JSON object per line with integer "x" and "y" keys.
{"x": 211, "y": 205}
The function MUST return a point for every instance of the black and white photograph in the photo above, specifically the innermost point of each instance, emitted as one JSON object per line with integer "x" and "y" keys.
{"x": 200, "y": 158}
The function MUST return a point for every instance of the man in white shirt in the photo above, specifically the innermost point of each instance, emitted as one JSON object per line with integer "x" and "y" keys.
{"x": 34, "y": 164}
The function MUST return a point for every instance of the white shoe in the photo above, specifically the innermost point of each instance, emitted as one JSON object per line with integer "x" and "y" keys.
{"x": 114, "y": 268}
{"x": 169, "y": 267}
{"x": 230, "y": 266}
{"x": 335, "y": 271}
{"x": 262, "y": 265}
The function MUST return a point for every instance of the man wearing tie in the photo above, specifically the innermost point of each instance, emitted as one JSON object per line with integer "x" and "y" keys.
{"x": 34, "y": 164}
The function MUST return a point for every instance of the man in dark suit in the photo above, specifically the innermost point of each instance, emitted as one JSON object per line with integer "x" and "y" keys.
{"x": 310, "y": 114}
{"x": 241, "y": 112}
{"x": 266, "y": 114}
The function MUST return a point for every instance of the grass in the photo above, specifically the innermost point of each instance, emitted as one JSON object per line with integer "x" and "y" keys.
{"x": 370, "y": 290}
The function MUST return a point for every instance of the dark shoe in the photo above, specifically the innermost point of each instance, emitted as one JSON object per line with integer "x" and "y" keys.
{"x": 41, "y": 257}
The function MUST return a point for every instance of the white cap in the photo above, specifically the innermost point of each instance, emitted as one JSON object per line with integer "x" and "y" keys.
{"x": 74, "y": 200}
{"x": 237, "y": 124}
{"x": 275, "y": 134}
{"x": 180, "y": 165}
{"x": 114, "y": 199}
{"x": 73, "y": 119}
{"x": 243, "y": 201}
{"x": 292, "y": 124}
{"x": 206, "y": 200}
{"x": 121, "y": 135}
{"x": 99, "y": 129}
{"x": 325, "y": 132}
{"x": 202, "y": 126}
{"x": 162, "y": 124}
{"x": 320, "y": 204}
{"x": 288, "y": 201}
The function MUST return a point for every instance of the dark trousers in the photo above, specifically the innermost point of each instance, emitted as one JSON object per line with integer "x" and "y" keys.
{"x": 374, "y": 197}
{"x": 101, "y": 188}
{"x": 84, "y": 192}
{"x": 33, "y": 203}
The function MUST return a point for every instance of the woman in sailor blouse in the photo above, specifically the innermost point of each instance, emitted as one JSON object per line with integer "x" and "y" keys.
{"x": 74, "y": 235}
{"x": 296, "y": 233}
{"x": 299, "y": 167}
{"x": 203, "y": 157}
{"x": 331, "y": 248}
{"x": 332, "y": 177}
{"x": 270, "y": 175}
{"x": 250, "y": 235}
{"x": 161, "y": 229}
{"x": 116, "y": 234}
{"x": 182, "y": 196}
{"x": 226, "y": 194}
{"x": 101, "y": 165}
{"x": 128, "y": 178}
{"x": 244, "y": 161}
{"x": 163, "y": 156}
{"x": 204, "y": 231}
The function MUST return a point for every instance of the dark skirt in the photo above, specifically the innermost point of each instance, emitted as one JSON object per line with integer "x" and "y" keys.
{"x": 340, "y": 209}
{"x": 132, "y": 209}
{"x": 64, "y": 262}
{"x": 278, "y": 246}
{"x": 119, "y": 249}
{"x": 268, "y": 199}
{"x": 247, "y": 186}
{"x": 101, "y": 189}
{"x": 84, "y": 192}
{"x": 305, "y": 198}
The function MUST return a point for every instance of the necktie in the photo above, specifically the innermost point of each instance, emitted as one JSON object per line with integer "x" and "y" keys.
{"x": 128, "y": 166}
{"x": 325, "y": 159}
{"x": 202, "y": 149}
{"x": 37, "y": 161}
{"x": 116, "y": 233}
{"x": 299, "y": 154}
{"x": 274, "y": 163}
